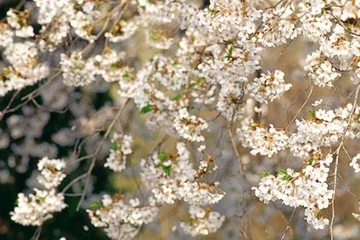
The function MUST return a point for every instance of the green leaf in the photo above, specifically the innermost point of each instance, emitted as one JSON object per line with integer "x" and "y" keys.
{"x": 265, "y": 174}
{"x": 42, "y": 199}
{"x": 286, "y": 175}
{"x": 114, "y": 66}
{"x": 191, "y": 222}
{"x": 114, "y": 146}
{"x": 166, "y": 169}
{"x": 312, "y": 113}
{"x": 163, "y": 157}
{"x": 311, "y": 161}
{"x": 193, "y": 84}
{"x": 146, "y": 109}
{"x": 176, "y": 97}
{"x": 229, "y": 53}
{"x": 122, "y": 23}
{"x": 95, "y": 205}
{"x": 212, "y": 12}
{"x": 126, "y": 73}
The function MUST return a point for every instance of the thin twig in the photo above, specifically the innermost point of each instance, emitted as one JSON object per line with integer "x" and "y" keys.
{"x": 6, "y": 109}
{"x": 29, "y": 97}
{"x": 73, "y": 182}
{"x": 234, "y": 146}
{"x": 37, "y": 234}
{"x": 288, "y": 226}
{"x": 301, "y": 108}
{"x": 337, "y": 152}
{"x": 93, "y": 161}
{"x": 36, "y": 92}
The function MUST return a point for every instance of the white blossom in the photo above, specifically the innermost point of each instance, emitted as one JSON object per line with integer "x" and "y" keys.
{"x": 51, "y": 172}
{"x": 119, "y": 151}
{"x": 119, "y": 219}
{"x": 268, "y": 87}
{"x": 189, "y": 126}
{"x": 307, "y": 188}
{"x": 354, "y": 163}
{"x": 261, "y": 140}
{"x": 189, "y": 72}
{"x": 203, "y": 221}
{"x": 121, "y": 31}
{"x": 175, "y": 180}
{"x": 34, "y": 210}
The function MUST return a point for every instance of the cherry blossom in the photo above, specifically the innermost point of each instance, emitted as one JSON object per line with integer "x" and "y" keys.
{"x": 196, "y": 92}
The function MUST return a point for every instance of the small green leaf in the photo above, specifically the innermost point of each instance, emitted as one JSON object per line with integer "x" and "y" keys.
{"x": 122, "y": 23}
{"x": 95, "y": 205}
{"x": 311, "y": 161}
{"x": 42, "y": 199}
{"x": 176, "y": 97}
{"x": 114, "y": 146}
{"x": 312, "y": 113}
{"x": 357, "y": 117}
{"x": 126, "y": 74}
{"x": 166, "y": 169}
{"x": 191, "y": 222}
{"x": 114, "y": 66}
{"x": 193, "y": 84}
{"x": 155, "y": 34}
{"x": 286, "y": 175}
{"x": 212, "y": 12}
{"x": 229, "y": 53}
{"x": 146, "y": 109}
{"x": 5, "y": 71}
{"x": 265, "y": 174}
{"x": 163, "y": 157}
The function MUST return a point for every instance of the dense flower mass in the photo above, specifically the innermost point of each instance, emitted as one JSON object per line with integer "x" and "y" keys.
{"x": 202, "y": 221}
{"x": 121, "y": 220}
{"x": 206, "y": 93}
{"x": 176, "y": 179}
{"x": 307, "y": 188}
{"x": 268, "y": 87}
{"x": 51, "y": 172}
{"x": 189, "y": 127}
{"x": 36, "y": 208}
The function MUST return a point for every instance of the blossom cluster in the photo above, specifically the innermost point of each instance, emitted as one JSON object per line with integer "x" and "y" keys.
{"x": 36, "y": 208}
{"x": 203, "y": 221}
{"x": 75, "y": 69}
{"x": 118, "y": 153}
{"x": 307, "y": 188}
{"x": 119, "y": 219}
{"x": 174, "y": 179}
{"x": 263, "y": 141}
{"x": 170, "y": 180}
{"x": 268, "y": 87}
{"x": 189, "y": 127}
